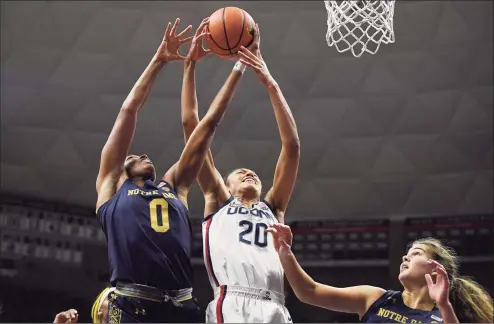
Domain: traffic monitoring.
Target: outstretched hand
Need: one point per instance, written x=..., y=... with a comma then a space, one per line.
x=197, y=50
x=68, y=316
x=439, y=290
x=282, y=238
x=168, y=50
x=252, y=57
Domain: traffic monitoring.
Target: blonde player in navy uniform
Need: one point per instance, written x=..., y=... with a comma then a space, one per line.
x=433, y=290
x=241, y=261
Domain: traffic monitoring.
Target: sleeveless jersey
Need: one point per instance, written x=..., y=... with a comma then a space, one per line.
x=390, y=308
x=238, y=250
x=149, y=236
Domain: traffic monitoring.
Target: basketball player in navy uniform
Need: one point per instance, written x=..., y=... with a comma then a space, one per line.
x=243, y=266
x=433, y=290
x=146, y=224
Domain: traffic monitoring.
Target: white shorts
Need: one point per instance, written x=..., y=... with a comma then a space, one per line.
x=234, y=304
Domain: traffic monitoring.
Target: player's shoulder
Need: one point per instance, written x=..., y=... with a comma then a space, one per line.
x=264, y=205
x=230, y=202
x=103, y=206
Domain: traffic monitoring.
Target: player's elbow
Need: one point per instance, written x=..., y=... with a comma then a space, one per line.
x=307, y=295
x=133, y=102
x=189, y=124
x=130, y=106
x=292, y=146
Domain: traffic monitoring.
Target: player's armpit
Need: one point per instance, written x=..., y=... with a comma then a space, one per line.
x=170, y=175
x=356, y=299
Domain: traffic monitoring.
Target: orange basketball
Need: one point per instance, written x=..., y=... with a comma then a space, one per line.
x=229, y=29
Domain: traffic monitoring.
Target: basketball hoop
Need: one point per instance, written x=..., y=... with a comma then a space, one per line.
x=360, y=26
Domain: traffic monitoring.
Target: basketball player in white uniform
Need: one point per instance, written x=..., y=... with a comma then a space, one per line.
x=243, y=266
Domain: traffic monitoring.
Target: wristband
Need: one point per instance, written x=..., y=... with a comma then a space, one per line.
x=239, y=66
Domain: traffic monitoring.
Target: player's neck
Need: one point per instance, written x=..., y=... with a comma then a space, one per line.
x=139, y=181
x=247, y=201
x=417, y=298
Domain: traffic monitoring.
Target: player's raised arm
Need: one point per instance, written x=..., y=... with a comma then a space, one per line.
x=189, y=106
x=356, y=299
x=118, y=143
x=199, y=142
x=287, y=167
x=208, y=178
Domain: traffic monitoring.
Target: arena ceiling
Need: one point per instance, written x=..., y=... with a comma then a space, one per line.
x=407, y=131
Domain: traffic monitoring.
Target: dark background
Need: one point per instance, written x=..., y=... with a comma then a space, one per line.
x=395, y=146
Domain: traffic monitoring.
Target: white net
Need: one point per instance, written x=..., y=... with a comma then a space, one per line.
x=360, y=26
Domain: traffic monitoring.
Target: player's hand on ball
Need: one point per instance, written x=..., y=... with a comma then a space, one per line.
x=282, y=237
x=252, y=57
x=197, y=50
x=168, y=50
x=68, y=316
x=438, y=290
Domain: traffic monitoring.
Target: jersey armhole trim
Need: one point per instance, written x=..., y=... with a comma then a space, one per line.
x=166, y=184
x=229, y=200
x=272, y=210
x=382, y=299
x=269, y=206
x=109, y=200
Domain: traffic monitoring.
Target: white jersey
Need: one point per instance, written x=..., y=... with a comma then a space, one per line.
x=237, y=249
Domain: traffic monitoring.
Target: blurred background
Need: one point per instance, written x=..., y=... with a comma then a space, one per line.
x=395, y=146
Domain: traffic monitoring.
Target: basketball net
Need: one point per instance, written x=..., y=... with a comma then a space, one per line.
x=360, y=26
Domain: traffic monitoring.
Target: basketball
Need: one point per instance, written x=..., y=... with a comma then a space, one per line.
x=230, y=28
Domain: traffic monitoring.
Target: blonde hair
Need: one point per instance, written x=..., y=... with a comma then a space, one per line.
x=471, y=302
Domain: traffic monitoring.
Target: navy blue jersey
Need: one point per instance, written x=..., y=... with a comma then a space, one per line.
x=390, y=308
x=149, y=236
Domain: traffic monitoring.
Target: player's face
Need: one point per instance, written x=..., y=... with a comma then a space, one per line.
x=140, y=167
x=244, y=179
x=414, y=265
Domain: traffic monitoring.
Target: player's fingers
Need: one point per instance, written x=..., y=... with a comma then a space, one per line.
x=203, y=24
x=272, y=230
x=247, y=52
x=437, y=265
x=174, y=28
x=434, y=262
x=246, y=63
x=279, y=227
x=207, y=51
x=246, y=58
x=180, y=57
x=167, y=31
x=73, y=313
x=200, y=36
x=257, y=35
x=428, y=279
x=185, y=40
x=284, y=244
x=441, y=272
x=186, y=30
